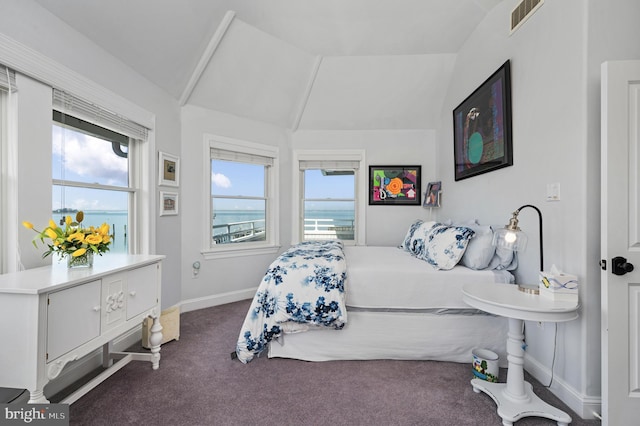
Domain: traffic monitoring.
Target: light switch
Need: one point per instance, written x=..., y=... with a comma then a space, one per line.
x=553, y=192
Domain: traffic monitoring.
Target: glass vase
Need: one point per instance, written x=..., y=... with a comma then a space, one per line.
x=83, y=261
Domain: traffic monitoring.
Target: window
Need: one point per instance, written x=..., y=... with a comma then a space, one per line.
x=329, y=185
x=93, y=170
x=243, y=207
x=329, y=205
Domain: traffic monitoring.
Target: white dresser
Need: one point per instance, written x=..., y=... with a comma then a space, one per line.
x=52, y=315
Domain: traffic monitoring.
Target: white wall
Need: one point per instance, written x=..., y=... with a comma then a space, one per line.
x=555, y=92
x=45, y=39
x=223, y=280
x=386, y=225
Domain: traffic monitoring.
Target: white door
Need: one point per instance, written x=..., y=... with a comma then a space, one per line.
x=620, y=246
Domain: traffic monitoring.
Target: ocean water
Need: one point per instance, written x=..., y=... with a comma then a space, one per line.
x=230, y=216
x=116, y=219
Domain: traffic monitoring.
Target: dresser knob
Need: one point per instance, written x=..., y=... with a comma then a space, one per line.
x=132, y=293
x=96, y=308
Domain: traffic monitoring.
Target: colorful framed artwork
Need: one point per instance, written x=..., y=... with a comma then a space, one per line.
x=168, y=203
x=432, y=195
x=482, y=127
x=394, y=185
x=169, y=168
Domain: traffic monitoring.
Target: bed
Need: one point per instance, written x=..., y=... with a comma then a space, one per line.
x=406, y=302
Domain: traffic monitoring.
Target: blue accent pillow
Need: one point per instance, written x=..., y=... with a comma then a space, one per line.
x=445, y=245
x=406, y=243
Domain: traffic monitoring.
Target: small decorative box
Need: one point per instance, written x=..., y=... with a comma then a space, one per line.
x=559, y=286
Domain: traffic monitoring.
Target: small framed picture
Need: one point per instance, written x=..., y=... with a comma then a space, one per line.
x=168, y=203
x=432, y=196
x=169, y=168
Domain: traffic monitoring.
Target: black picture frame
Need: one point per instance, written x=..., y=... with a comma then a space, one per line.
x=395, y=185
x=482, y=138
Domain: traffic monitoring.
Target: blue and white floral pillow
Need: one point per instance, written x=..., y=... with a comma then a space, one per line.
x=443, y=245
x=406, y=243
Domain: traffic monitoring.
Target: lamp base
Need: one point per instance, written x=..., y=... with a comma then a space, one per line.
x=529, y=288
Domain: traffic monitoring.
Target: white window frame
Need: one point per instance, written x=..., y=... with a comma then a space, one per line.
x=360, y=193
x=45, y=70
x=271, y=244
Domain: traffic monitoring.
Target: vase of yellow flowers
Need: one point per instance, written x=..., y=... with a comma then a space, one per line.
x=73, y=241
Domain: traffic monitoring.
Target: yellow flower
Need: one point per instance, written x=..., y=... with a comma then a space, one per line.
x=73, y=239
x=79, y=252
x=104, y=229
x=93, y=239
x=76, y=236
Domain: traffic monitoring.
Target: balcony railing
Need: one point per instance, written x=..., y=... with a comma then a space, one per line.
x=237, y=232
x=254, y=230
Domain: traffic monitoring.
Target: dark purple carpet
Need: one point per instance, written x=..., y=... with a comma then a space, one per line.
x=199, y=384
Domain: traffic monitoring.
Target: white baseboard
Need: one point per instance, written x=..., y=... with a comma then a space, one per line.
x=585, y=406
x=217, y=299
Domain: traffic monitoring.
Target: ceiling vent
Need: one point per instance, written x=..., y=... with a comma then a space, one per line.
x=523, y=11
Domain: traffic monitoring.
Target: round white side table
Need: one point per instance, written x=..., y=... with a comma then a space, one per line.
x=515, y=398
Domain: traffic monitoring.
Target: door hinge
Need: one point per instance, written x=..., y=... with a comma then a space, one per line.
x=603, y=264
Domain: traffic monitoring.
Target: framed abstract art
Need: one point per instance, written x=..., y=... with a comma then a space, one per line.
x=394, y=185
x=482, y=127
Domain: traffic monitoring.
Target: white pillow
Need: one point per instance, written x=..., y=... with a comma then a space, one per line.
x=444, y=245
x=479, y=251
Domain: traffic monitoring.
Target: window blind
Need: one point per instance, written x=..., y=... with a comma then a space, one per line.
x=72, y=105
x=329, y=164
x=7, y=79
x=242, y=157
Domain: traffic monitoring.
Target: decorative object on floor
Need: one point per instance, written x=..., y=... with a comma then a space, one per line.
x=432, y=196
x=74, y=242
x=485, y=365
x=394, y=185
x=482, y=127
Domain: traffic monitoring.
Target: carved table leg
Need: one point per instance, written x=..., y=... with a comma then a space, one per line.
x=155, y=339
x=37, y=397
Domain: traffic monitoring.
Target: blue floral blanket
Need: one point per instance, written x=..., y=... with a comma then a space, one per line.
x=303, y=286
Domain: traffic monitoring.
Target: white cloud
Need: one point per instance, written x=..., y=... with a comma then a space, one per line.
x=92, y=159
x=220, y=180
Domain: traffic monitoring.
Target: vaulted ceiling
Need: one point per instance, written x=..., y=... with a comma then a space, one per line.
x=307, y=64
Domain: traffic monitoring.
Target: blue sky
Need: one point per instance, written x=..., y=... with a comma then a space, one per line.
x=103, y=166
x=229, y=178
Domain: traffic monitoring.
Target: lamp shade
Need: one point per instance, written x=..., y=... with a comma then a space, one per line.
x=511, y=239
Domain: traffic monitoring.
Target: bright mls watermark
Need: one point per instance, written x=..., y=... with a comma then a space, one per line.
x=34, y=414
